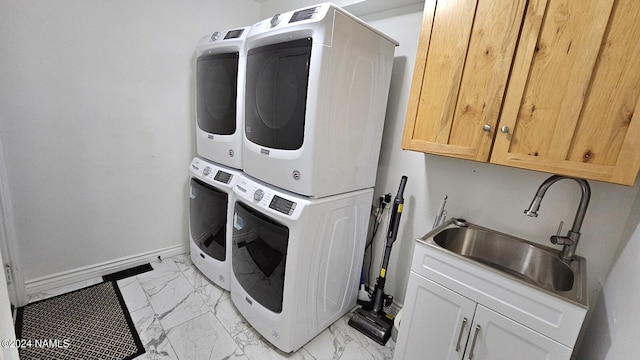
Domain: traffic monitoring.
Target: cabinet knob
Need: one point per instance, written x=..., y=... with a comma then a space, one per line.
x=486, y=127
x=504, y=129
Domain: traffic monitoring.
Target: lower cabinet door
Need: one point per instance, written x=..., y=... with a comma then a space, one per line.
x=435, y=322
x=495, y=337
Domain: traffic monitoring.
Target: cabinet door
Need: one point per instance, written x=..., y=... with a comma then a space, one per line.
x=572, y=106
x=462, y=66
x=435, y=322
x=495, y=337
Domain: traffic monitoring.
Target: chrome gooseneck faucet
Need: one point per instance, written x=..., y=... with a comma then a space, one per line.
x=570, y=241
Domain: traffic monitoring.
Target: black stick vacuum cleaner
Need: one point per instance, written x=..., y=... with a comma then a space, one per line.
x=371, y=319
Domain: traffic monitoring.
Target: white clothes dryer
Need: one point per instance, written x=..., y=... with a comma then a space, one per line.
x=211, y=201
x=296, y=260
x=317, y=84
x=220, y=73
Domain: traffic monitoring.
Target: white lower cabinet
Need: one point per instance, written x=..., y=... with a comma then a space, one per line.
x=499, y=338
x=440, y=324
x=435, y=323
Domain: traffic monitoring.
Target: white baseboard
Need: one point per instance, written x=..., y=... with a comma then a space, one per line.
x=108, y=267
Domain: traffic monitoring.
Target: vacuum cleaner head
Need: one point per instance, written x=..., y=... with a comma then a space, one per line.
x=375, y=326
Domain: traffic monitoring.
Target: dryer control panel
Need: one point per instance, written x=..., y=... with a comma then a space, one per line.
x=299, y=15
x=305, y=14
x=303, y=17
x=233, y=34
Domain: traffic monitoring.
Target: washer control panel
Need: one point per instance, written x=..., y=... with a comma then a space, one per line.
x=223, y=177
x=212, y=174
x=282, y=205
x=264, y=197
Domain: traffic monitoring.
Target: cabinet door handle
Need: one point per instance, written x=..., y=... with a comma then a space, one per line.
x=473, y=343
x=464, y=323
x=505, y=129
x=486, y=127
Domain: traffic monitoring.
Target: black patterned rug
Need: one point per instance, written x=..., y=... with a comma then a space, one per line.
x=90, y=323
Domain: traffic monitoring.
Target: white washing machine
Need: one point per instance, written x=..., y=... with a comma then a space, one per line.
x=211, y=200
x=316, y=92
x=296, y=261
x=220, y=73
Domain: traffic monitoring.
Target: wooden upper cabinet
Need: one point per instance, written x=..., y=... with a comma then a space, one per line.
x=548, y=85
x=464, y=57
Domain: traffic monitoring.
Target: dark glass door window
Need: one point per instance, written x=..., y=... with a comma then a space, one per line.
x=217, y=91
x=259, y=255
x=276, y=94
x=208, y=219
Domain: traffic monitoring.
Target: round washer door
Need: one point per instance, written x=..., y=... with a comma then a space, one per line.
x=259, y=255
x=208, y=219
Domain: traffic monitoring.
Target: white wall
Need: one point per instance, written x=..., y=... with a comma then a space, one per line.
x=96, y=119
x=614, y=328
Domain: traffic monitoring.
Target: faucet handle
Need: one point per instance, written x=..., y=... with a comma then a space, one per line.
x=558, y=239
x=559, y=228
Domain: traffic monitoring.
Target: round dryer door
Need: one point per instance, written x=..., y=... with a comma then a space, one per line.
x=276, y=94
x=216, y=93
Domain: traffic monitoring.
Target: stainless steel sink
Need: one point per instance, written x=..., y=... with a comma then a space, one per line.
x=534, y=264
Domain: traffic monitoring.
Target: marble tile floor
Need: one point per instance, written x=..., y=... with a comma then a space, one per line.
x=180, y=315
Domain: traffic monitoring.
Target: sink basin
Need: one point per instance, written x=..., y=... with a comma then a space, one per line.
x=534, y=264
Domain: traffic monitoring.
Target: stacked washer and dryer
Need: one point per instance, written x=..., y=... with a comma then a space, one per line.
x=316, y=83
x=220, y=70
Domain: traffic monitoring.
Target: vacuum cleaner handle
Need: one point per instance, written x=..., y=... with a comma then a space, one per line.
x=394, y=224
x=398, y=204
x=392, y=233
